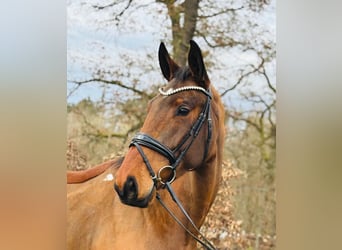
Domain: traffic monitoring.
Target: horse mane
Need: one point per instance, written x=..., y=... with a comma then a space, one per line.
x=74, y=177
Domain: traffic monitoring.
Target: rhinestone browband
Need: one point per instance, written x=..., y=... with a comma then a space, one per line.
x=174, y=91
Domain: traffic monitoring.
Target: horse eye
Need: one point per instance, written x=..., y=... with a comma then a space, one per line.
x=183, y=111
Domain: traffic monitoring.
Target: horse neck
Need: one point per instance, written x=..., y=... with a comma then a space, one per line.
x=204, y=187
x=205, y=180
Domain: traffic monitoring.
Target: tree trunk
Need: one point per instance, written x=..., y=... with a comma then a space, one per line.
x=190, y=19
x=181, y=35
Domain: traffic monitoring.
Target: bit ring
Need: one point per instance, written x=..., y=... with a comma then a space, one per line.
x=170, y=179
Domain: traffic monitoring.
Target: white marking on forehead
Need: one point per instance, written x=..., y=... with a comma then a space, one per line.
x=109, y=177
x=172, y=91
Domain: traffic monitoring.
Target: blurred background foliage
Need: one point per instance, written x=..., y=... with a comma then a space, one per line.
x=243, y=215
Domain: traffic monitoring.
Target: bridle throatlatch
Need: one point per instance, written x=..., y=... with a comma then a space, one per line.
x=142, y=139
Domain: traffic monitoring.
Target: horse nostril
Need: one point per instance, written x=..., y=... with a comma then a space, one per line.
x=131, y=188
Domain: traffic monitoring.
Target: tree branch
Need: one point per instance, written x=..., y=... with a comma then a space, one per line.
x=123, y=11
x=112, y=82
x=117, y=17
x=73, y=90
x=221, y=12
x=238, y=117
x=263, y=72
x=230, y=43
x=100, y=134
x=99, y=7
x=79, y=112
x=255, y=69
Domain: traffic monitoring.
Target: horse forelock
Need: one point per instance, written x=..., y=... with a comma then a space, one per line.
x=183, y=74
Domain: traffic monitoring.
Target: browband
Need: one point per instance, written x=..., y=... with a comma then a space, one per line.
x=174, y=91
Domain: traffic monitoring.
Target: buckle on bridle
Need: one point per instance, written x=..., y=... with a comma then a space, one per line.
x=171, y=175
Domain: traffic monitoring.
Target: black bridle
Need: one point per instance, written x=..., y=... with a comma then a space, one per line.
x=142, y=139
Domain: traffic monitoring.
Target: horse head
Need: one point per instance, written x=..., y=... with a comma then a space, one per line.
x=176, y=136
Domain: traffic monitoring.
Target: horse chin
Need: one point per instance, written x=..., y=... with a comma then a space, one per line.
x=142, y=202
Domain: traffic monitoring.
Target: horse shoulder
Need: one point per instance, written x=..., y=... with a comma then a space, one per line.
x=89, y=214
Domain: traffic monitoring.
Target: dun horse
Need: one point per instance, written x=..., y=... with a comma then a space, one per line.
x=164, y=187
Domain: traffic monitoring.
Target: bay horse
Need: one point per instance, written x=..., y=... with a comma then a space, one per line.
x=168, y=179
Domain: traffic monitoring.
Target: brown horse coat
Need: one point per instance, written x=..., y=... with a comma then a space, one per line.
x=97, y=219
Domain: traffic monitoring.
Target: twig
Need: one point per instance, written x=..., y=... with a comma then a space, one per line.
x=221, y=12
x=255, y=69
x=112, y=82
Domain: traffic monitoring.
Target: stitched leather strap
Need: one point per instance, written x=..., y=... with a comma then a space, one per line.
x=148, y=141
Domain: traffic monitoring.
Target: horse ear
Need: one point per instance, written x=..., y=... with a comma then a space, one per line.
x=196, y=65
x=167, y=65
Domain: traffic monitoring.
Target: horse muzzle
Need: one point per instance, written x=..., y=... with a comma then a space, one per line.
x=129, y=193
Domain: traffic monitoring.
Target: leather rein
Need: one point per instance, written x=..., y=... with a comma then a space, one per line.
x=142, y=139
